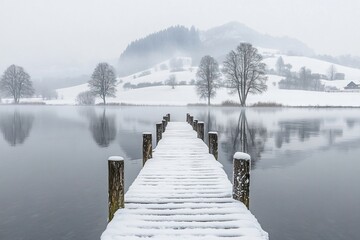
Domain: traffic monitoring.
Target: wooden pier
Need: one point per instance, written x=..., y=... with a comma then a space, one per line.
x=182, y=192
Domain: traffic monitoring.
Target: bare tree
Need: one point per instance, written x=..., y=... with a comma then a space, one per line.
x=331, y=72
x=16, y=82
x=171, y=81
x=207, y=78
x=305, y=78
x=103, y=81
x=280, y=66
x=245, y=72
x=85, y=98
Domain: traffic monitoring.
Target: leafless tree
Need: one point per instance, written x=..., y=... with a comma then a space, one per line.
x=171, y=81
x=305, y=78
x=280, y=66
x=103, y=81
x=207, y=78
x=331, y=72
x=85, y=98
x=245, y=72
x=16, y=82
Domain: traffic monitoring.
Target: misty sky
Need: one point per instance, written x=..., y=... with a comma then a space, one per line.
x=68, y=37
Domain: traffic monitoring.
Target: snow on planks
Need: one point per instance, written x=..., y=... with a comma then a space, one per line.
x=182, y=193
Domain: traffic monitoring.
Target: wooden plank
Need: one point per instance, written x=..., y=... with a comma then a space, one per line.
x=182, y=193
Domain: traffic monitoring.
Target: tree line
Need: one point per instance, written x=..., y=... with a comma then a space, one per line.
x=243, y=70
x=304, y=78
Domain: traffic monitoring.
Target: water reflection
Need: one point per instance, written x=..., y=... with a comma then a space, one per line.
x=210, y=121
x=101, y=126
x=243, y=136
x=304, y=128
x=16, y=126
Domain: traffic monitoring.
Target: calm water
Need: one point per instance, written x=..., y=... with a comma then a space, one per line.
x=53, y=166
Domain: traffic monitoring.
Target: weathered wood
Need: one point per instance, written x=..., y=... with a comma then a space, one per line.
x=241, y=178
x=116, y=185
x=191, y=120
x=164, y=125
x=147, y=146
x=213, y=144
x=187, y=117
x=159, y=131
x=195, y=124
x=200, y=130
x=168, y=117
x=182, y=193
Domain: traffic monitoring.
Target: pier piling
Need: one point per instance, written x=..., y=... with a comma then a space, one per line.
x=241, y=178
x=147, y=146
x=116, y=184
x=159, y=131
x=213, y=144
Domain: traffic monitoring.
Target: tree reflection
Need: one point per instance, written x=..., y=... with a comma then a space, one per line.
x=304, y=128
x=16, y=127
x=244, y=137
x=102, y=127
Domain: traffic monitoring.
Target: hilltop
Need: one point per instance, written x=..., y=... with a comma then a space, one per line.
x=180, y=41
x=159, y=94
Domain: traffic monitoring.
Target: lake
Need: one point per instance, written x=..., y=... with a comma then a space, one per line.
x=53, y=166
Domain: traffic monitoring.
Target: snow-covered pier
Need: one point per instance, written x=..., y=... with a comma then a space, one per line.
x=182, y=192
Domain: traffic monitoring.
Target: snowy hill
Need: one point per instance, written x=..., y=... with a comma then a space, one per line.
x=218, y=41
x=317, y=66
x=186, y=94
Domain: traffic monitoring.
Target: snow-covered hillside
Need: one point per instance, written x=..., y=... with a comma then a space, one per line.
x=186, y=94
x=316, y=66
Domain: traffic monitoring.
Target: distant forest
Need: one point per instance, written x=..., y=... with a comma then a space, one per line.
x=144, y=53
x=345, y=60
x=157, y=47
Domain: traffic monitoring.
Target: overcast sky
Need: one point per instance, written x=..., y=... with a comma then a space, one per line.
x=68, y=37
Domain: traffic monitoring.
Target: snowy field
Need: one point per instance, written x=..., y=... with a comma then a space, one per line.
x=186, y=94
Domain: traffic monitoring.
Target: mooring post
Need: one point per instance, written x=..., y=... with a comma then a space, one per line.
x=116, y=184
x=241, y=178
x=195, y=124
x=147, y=146
x=213, y=144
x=168, y=117
x=191, y=120
x=164, y=125
x=166, y=120
x=187, y=117
x=159, y=131
x=200, y=130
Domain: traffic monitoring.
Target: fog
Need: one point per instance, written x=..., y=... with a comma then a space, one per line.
x=66, y=38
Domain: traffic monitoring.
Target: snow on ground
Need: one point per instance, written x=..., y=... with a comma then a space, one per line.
x=316, y=65
x=170, y=200
x=183, y=95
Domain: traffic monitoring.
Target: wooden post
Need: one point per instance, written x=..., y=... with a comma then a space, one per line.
x=159, y=131
x=163, y=125
x=191, y=120
x=195, y=124
x=200, y=130
x=147, y=147
x=241, y=178
x=168, y=117
x=116, y=184
x=213, y=144
x=166, y=120
x=187, y=117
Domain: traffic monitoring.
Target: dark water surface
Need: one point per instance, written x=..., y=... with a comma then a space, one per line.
x=53, y=166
